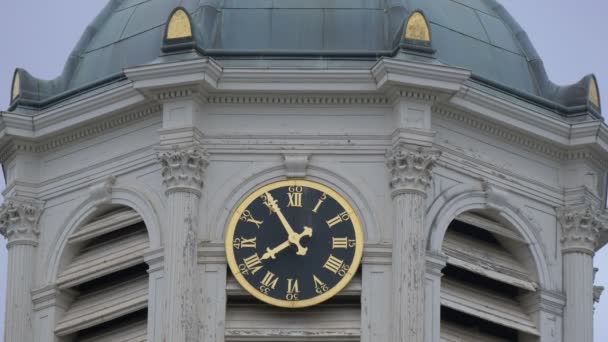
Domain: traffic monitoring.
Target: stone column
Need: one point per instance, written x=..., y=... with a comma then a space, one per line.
x=411, y=173
x=19, y=224
x=182, y=170
x=581, y=228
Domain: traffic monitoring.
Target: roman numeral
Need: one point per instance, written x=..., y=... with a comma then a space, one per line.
x=343, y=216
x=295, y=199
x=270, y=280
x=247, y=217
x=321, y=200
x=293, y=286
x=248, y=243
x=339, y=243
x=253, y=263
x=320, y=286
x=333, y=264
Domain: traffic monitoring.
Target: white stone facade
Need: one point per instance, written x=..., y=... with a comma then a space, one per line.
x=410, y=145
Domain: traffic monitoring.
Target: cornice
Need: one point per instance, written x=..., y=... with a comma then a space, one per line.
x=203, y=71
x=86, y=132
x=584, y=135
x=71, y=114
x=389, y=72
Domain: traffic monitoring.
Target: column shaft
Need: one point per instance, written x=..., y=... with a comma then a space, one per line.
x=409, y=266
x=19, y=307
x=578, y=285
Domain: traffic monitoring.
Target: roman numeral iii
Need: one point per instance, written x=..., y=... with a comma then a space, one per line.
x=333, y=264
x=253, y=263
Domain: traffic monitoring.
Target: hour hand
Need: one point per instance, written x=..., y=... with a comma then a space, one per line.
x=271, y=253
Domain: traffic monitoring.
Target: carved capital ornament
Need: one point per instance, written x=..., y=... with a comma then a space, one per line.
x=581, y=228
x=183, y=168
x=19, y=221
x=411, y=168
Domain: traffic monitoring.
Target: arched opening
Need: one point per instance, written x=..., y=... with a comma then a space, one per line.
x=179, y=25
x=488, y=275
x=104, y=272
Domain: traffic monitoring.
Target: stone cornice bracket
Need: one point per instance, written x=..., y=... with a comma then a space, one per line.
x=411, y=168
x=295, y=165
x=19, y=221
x=581, y=228
x=183, y=168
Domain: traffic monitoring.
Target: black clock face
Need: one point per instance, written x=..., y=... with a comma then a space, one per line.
x=294, y=243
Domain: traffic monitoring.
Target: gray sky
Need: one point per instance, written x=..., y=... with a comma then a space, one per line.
x=570, y=36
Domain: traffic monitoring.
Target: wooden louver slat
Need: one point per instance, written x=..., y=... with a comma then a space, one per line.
x=105, y=305
x=105, y=258
x=132, y=333
x=487, y=260
x=106, y=224
x=487, y=306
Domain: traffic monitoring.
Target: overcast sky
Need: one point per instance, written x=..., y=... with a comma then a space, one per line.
x=570, y=36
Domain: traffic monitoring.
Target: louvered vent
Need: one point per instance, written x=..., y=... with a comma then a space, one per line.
x=109, y=279
x=483, y=281
x=338, y=319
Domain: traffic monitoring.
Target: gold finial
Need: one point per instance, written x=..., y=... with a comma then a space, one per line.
x=179, y=25
x=594, y=93
x=417, y=28
x=16, y=89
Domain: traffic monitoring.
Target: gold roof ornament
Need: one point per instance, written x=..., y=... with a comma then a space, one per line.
x=16, y=88
x=179, y=25
x=594, y=93
x=417, y=28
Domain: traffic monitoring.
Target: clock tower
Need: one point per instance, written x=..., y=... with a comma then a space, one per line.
x=255, y=170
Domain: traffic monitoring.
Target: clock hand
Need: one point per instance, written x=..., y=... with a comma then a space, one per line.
x=271, y=253
x=293, y=237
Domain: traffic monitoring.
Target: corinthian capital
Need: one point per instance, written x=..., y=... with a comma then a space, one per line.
x=581, y=228
x=183, y=168
x=411, y=168
x=19, y=221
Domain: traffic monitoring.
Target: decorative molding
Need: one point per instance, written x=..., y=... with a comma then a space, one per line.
x=52, y=297
x=175, y=93
x=544, y=300
x=101, y=193
x=378, y=254
x=413, y=94
x=295, y=165
x=581, y=228
x=183, y=168
x=76, y=135
x=19, y=221
x=212, y=253
x=521, y=139
x=435, y=262
x=411, y=168
x=330, y=100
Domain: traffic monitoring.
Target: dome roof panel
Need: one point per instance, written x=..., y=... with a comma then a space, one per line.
x=475, y=34
x=111, y=30
x=500, y=35
x=147, y=16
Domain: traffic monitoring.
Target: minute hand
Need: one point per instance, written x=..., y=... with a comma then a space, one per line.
x=293, y=238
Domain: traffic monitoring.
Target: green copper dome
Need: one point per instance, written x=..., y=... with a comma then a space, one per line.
x=474, y=34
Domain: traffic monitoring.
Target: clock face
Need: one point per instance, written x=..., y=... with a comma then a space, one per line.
x=294, y=244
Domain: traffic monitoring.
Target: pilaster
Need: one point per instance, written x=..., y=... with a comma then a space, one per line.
x=19, y=225
x=581, y=229
x=375, y=293
x=410, y=176
x=157, y=296
x=434, y=264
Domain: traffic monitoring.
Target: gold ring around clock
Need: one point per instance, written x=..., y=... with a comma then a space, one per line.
x=340, y=285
